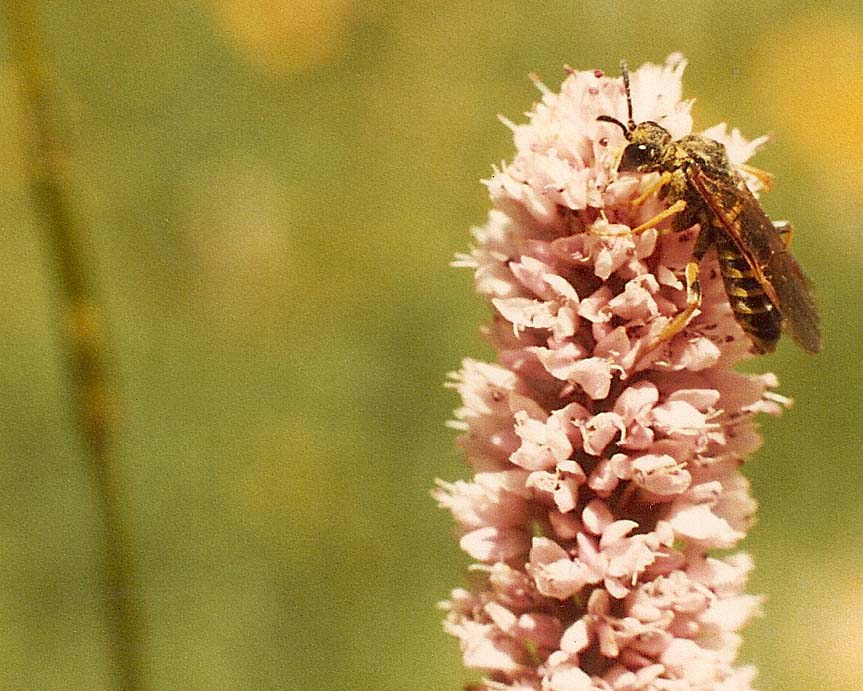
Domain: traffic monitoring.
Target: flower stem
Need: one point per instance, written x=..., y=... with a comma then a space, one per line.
x=82, y=334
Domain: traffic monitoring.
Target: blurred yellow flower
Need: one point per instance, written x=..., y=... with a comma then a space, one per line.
x=809, y=75
x=285, y=36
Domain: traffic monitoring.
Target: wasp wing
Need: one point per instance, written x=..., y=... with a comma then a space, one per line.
x=741, y=217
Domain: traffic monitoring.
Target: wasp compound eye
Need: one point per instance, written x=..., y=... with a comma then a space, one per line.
x=638, y=158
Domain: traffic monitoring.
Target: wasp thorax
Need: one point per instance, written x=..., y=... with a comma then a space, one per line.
x=648, y=145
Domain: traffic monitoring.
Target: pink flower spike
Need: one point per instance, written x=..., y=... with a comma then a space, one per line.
x=605, y=458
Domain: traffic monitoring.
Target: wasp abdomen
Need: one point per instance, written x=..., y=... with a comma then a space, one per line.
x=754, y=311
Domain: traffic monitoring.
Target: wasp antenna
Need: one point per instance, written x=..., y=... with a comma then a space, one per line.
x=625, y=70
x=614, y=121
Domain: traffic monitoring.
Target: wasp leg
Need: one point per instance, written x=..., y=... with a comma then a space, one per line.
x=693, y=301
x=675, y=208
x=641, y=198
x=693, y=293
x=786, y=232
x=765, y=178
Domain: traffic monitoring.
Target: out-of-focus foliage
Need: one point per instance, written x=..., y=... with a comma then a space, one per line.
x=273, y=192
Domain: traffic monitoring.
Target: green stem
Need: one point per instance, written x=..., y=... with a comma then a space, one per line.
x=82, y=334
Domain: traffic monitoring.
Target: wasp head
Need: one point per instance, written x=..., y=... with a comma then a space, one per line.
x=649, y=142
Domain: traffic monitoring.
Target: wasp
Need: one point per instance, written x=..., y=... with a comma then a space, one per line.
x=767, y=290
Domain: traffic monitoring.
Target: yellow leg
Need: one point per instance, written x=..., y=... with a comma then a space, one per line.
x=785, y=231
x=693, y=300
x=641, y=198
x=765, y=178
x=693, y=292
x=593, y=231
x=675, y=208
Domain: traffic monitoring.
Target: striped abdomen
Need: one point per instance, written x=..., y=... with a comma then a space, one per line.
x=753, y=310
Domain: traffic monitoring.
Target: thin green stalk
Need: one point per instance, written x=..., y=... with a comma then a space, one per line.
x=83, y=334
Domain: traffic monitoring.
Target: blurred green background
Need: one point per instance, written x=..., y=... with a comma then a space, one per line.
x=273, y=191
